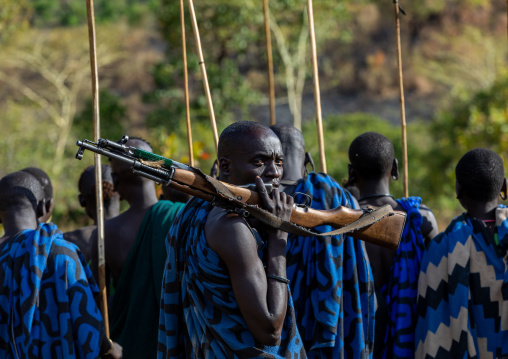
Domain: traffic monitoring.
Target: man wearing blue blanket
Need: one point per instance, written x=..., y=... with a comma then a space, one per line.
x=372, y=166
x=225, y=292
x=331, y=279
x=47, y=307
x=462, y=291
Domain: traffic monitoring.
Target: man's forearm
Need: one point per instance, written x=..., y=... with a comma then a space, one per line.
x=276, y=271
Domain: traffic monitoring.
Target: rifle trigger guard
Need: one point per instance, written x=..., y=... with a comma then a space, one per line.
x=308, y=200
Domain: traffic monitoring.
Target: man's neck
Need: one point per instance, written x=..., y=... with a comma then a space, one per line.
x=15, y=222
x=294, y=170
x=370, y=188
x=482, y=210
x=142, y=196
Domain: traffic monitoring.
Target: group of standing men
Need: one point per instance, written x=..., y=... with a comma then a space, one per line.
x=228, y=286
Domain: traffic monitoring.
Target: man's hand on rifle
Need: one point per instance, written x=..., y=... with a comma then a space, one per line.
x=277, y=203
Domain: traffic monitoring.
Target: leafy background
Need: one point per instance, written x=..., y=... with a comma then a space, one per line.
x=455, y=77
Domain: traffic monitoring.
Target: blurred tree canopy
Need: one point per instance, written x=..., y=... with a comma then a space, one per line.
x=454, y=57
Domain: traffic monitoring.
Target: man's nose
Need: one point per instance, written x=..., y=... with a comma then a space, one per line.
x=273, y=171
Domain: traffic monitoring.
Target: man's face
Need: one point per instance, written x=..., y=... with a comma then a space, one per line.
x=257, y=155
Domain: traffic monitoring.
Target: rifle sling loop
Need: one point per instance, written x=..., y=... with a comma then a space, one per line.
x=225, y=199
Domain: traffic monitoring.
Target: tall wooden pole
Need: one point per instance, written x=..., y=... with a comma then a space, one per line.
x=402, y=102
x=317, y=94
x=203, y=74
x=98, y=165
x=186, y=84
x=270, y=61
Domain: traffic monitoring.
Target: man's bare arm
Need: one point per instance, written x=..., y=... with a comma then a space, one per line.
x=429, y=224
x=262, y=300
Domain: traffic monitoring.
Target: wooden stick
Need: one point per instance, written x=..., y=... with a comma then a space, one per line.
x=270, y=61
x=317, y=94
x=203, y=73
x=98, y=165
x=186, y=84
x=402, y=102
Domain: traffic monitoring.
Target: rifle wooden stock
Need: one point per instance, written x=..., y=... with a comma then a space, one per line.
x=386, y=232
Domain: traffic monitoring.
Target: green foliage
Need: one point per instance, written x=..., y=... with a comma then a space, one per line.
x=340, y=131
x=14, y=16
x=480, y=121
x=112, y=115
x=30, y=143
x=73, y=12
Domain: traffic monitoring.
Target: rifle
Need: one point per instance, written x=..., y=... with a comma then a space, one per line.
x=382, y=226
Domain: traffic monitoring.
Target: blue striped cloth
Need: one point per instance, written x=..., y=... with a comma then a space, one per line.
x=463, y=292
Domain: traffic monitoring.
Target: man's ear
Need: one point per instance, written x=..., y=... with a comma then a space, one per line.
x=50, y=205
x=395, y=169
x=225, y=166
x=40, y=211
x=82, y=200
x=503, y=193
x=214, y=172
x=309, y=160
x=458, y=189
x=351, y=173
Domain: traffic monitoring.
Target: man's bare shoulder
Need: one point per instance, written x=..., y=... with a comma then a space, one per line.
x=429, y=226
x=228, y=233
x=80, y=235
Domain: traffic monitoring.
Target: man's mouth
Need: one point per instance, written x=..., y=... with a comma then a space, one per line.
x=275, y=183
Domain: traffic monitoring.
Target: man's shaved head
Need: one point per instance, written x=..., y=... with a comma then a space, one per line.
x=123, y=171
x=140, y=143
x=480, y=172
x=234, y=134
x=372, y=155
x=20, y=190
x=86, y=183
x=291, y=139
x=43, y=179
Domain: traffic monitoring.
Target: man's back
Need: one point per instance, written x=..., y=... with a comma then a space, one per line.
x=462, y=300
x=50, y=291
x=121, y=232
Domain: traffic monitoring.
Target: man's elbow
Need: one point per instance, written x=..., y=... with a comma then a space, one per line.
x=268, y=337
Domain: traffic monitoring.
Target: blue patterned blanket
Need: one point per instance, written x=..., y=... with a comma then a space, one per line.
x=47, y=307
x=463, y=292
x=199, y=316
x=331, y=282
x=401, y=291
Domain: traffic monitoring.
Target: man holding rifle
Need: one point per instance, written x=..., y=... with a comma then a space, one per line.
x=225, y=292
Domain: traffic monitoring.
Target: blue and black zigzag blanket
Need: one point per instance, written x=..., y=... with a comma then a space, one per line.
x=331, y=282
x=463, y=292
x=200, y=317
x=47, y=307
x=402, y=288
